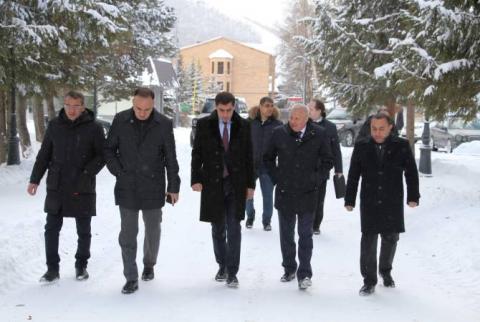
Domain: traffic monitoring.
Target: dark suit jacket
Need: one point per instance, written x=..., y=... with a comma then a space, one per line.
x=331, y=131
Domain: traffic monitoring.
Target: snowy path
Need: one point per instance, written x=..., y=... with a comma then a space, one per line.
x=437, y=267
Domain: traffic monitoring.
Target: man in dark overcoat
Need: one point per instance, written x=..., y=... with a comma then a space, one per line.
x=298, y=158
x=72, y=151
x=318, y=115
x=381, y=162
x=263, y=119
x=139, y=148
x=222, y=170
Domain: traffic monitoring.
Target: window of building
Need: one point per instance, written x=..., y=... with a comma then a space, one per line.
x=213, y=67
x=220, y=86
x=228, y=84
x=228, y=68
x=220, y=67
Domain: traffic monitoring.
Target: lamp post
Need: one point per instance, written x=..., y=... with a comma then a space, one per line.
x=425, y=166
x=13, y=157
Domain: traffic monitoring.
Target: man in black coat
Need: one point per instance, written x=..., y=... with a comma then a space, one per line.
x=264, y=118
x=222, y=170
x=381, y=161
x=317, y=114
x=72, y=151
x=298, y=158
x=139, y=147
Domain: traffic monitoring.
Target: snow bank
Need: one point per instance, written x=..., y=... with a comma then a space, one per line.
x=468, y=148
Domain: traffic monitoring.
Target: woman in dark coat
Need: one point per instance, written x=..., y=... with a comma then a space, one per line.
x=72, y=151
x=381, y=161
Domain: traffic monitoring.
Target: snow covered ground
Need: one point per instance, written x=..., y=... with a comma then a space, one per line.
x=437, y=267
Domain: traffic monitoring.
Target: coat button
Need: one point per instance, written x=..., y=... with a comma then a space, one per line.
x=217, y=166
x=379, y=202
x=380, y=173
x=217, y=180
x=379, y=187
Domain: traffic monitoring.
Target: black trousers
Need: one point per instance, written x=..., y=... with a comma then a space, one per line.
x=287, y=221
x=368, y=255
x=52, y=231
x=227, y=234
x=319, y=208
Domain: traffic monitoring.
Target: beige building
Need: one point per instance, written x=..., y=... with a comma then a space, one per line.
x=236, y=67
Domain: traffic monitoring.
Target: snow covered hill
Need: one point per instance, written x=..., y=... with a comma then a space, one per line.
x=437, y=267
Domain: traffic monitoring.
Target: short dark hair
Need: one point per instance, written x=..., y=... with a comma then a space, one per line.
x=382, y=115
x=224, y=98
x=319, y=106
x=144, y=92
x=266, y=99
x=76, y=95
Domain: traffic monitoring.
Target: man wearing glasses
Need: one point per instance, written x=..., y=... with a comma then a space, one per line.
x=72, y=151
x=140, y=146
x=264, y=118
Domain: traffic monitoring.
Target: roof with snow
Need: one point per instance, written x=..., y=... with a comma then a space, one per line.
x=257, y=47
x=221, y=53
x=163, y=75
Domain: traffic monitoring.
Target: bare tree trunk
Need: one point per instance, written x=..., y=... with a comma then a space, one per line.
x=38, y=118
x=411, y=125
x=25, y=142
x=3, y=127
x=50, y=106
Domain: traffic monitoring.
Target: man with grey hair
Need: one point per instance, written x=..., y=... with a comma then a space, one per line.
x=298, y=158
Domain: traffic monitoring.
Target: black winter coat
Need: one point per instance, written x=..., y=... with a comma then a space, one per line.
x=331, y=131
x=208, y=155
x=73, y=154
x=139, y=163
x=261, y=135
x=298, y=166
x=381, y=193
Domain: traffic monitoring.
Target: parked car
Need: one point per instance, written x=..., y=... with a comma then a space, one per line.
x=209, y=107
x=348, y=125
x=454, y=131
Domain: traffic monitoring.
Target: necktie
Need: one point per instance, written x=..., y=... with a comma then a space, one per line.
x=225, y=146
x=225, y=136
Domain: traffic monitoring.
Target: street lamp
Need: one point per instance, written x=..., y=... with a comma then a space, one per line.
x=13, y=157
x=425, y=166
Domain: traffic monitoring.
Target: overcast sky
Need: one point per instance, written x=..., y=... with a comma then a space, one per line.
x=264, y=11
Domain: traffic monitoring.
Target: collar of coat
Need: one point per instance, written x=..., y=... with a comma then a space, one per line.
x=234, y=126
x=310, y=131
x=85, y=117
x=129, y=117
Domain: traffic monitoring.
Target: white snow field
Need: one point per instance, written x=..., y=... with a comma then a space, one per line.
x=436, y=269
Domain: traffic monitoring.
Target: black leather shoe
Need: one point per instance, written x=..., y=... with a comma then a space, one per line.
x=388, y=280
x=81, y=273
x=130, y=287
x=267, y=227
x=287, y=277
x=232, y=281
x=221, y=275
x=50, y=276
x=249, y=223
x=316, y=231
x=148, y=274
x=367, y=290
